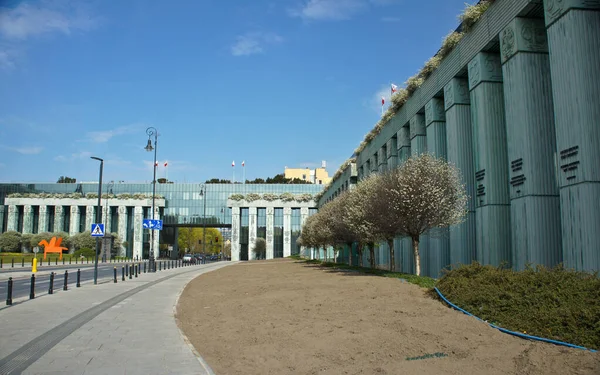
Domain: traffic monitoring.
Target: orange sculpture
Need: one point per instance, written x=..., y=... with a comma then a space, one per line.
x=53, y=246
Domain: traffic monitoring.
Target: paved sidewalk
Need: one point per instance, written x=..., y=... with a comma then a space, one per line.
x=128, y=328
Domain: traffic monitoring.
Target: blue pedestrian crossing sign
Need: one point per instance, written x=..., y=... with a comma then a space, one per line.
x=98, y=230
x=152, y=224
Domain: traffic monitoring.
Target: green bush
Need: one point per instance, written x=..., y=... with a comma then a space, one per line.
x=10, y=241
x=88, y=253
x=556, y=303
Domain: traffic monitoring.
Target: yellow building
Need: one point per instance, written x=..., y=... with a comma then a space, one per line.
x=316, y=176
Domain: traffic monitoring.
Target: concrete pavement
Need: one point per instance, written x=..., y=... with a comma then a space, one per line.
x=127, y=328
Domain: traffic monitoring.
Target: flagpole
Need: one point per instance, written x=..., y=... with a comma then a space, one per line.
x=244, y=173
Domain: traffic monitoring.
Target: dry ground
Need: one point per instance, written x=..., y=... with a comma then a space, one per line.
x=287, y=317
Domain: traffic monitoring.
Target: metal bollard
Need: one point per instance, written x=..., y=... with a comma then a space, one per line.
x=122, y=273
x=51, y=285
x=48, y=260
x=9, y=292
x=56, y=261
x=22, y=262
x=115, y=274
x=144, y=267
x=130, y=271
x=136, y=269
x=12, y=263
x=1, y=261
x=159, y=266
x=75, y=260
x=78, y=278
x=126, y=270
x=32, y=287
x=63, y=261
x=66, y=280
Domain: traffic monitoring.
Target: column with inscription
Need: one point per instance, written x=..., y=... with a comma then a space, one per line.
x=235, y=234
x=459, y=138
x=270, y=222
x=435, y=121
x=27, y=219
x=90, y=217
x=287, y=231
x=138, y=232
x=13, y=218
x=43, y=219
x=74, y=221
x=303, y=217
x=573, y=29
x=122, y=230
x=59, y=218
x=251, y=232
x=534, y=198
x=491, y=160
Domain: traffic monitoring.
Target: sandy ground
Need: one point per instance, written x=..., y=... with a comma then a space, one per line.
x=286, y=317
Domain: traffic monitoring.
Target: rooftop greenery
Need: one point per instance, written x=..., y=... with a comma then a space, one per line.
x=285, y=197
x=81, y=196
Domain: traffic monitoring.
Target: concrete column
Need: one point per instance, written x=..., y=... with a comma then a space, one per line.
x=90, y=217
x=534, y=198
x=251, y=232
x=435, y=121
x=235, y=234
x=491, y=160
x=303, y=217
x=74, y=221
x=13, y=218
x=105, y=219
x=287, y=232
x=138, y=231
x=391, y=149
x=404, y=244
x=122, y=230
x=27, y=219
x=59, y=218
x=270, y=222
x=156, y=244
x=459, y=138
x=418, y=146
x=374, y=164
x=573, y=29
x=382, y=159
x=43, y=219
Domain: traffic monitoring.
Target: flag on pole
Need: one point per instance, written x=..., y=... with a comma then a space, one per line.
x=156, y=164
x=233, y=163
x=394, y=88
x=382, y=101
x=166, y=163
x=243, y=163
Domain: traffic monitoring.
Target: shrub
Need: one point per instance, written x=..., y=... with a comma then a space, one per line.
x=287, y=197
x=270, y=197
x=556, y=303
x=10, y=241
x=252, y=197
x=86, y=252
x=236, y=197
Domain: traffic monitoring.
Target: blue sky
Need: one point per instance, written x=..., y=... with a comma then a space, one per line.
x=273, y=83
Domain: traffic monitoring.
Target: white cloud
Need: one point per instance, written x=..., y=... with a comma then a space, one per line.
x=335, y=10
x=374, y=102
x=8, y=58
x=254, y=42
x=47, y=17
x=103, y=136
x=33, y=150
x=75, y=156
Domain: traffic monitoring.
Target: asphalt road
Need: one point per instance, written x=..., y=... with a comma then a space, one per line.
x=22, y=285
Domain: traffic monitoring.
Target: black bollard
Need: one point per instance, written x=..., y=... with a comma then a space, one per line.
x=32, y=287
x=22, y=262
x=78, y=278
x=130, y=271
x=63, y=261
x=144, y=267
x=160, y=266
x=51, y=285
x=48, y=260
x=75, y=260
x=126, y=270
x=115, y=274
x=12, y=263
x=70, y=259
x=56, y=261
x=135, y=266
x=9, y=292
x=66, y=280
x=122, y=273
x=1, y=261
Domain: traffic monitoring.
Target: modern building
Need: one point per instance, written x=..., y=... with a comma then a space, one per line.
x=515, y=106
x=57, y=207
x=317, y=176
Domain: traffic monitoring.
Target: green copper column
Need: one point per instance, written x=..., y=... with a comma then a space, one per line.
x=491, y=161
x=405, y=243
x=391, y=148
x=573, y=28
x=418, y=146
x=534, y=199
x=435, y=121
x=457, y=102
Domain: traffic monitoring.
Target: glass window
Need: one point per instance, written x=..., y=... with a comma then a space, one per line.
x=278, y=233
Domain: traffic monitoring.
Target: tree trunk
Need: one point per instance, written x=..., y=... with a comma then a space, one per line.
x=415, y=242
x=392, y=255
x=360, y=254
x=372, y=254
x=349, y=253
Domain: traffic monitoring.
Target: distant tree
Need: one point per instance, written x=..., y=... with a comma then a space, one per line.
x=191, y=239
x=10, y=241
x=217, y=181
x=66, y=180
x=161, y=180
x=260, y=248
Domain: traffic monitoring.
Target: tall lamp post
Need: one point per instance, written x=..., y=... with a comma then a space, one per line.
x=203, y=195
x=151, y=131
x=98, y=217
x=222, y=236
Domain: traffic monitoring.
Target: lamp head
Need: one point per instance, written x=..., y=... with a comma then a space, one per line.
x=149, y=146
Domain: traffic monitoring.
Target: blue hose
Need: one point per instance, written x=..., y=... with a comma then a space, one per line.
x=518, y=334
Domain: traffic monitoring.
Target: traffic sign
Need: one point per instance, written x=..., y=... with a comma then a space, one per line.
x=98, y=230
x=152, y=224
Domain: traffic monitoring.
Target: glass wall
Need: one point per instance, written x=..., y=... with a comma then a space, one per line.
x=278, y=233
x=296, y=227
x=261, y=223
x=244, y=233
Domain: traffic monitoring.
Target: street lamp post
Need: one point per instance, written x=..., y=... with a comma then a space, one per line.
x=203, y=195
x=98, y=217
x=151, y=131
x=222, y=236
